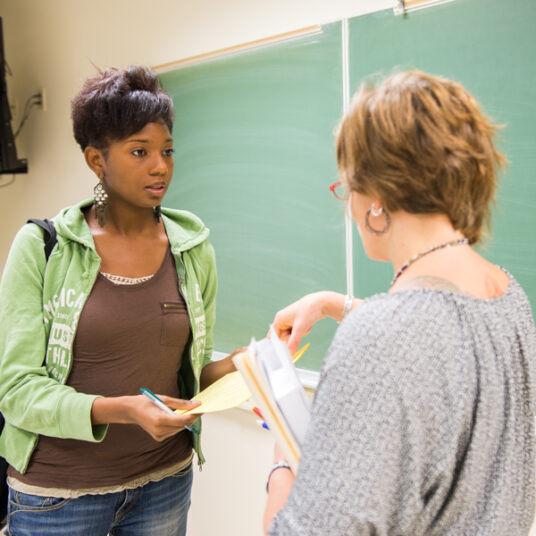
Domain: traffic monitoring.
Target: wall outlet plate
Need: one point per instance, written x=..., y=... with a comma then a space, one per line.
x=42, y=102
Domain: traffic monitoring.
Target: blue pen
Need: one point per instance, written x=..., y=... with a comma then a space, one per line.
x=157, y=402
x=263, y=424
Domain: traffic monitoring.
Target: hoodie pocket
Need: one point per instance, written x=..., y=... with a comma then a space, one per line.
x=175, y=327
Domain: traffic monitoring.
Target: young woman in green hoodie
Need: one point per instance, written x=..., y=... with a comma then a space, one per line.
x=125, y=301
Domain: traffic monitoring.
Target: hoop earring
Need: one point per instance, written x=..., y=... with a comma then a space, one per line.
x=157, y=213
x=377, y=212
x=101, y=203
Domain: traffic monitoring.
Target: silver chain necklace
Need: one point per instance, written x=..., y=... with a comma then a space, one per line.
x=450, y=243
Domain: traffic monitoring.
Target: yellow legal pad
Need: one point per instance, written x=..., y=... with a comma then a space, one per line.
x=228, y=392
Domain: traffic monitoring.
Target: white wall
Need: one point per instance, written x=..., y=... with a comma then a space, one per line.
x=54, y=44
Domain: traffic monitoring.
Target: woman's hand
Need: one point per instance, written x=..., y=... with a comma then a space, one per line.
x=140, y=410
x=296, y=320
x=159, y=424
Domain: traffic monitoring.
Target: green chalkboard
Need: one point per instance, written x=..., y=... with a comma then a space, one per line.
x=255, y=152
x=489, y=46
x=254, y=156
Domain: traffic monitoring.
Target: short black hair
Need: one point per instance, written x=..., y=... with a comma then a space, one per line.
x=117, y=103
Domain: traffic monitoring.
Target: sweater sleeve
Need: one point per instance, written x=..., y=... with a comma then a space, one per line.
x=361, y=463
x=29, y=399
x=205, y=260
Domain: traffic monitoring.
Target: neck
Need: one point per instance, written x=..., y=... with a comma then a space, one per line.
x=413, y=234
x=130, y=221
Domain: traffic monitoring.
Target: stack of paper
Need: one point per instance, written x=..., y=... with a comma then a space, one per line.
x=268, y=371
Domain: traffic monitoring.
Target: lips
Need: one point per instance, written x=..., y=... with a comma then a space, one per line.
x=156, y=187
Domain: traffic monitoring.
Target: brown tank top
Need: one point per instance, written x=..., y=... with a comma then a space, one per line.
x=129, y=336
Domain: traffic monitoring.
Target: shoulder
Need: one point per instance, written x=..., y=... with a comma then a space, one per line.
x=28, y=240
x=431, y=283
x=390, y=315
x=184, y=219
x=29, y=232
x=198, y=254
x=26, y=261
x=203, y=254
x=517, y=295
x=184, y=229
x=400, y=333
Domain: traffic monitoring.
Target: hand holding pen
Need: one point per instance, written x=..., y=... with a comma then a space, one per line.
x=164, y=422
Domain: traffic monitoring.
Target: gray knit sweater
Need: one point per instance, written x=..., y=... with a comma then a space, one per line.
x=423, y=421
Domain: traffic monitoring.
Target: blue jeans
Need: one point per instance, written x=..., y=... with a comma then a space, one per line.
x=156, y=509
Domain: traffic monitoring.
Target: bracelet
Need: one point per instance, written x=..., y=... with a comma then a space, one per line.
x=348, y=302
x=282, y=464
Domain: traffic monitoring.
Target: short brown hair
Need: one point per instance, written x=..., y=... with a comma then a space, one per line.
x=116, y=103
x=422, y=144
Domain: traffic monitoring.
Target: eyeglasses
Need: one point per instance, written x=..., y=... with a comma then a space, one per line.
x=339, y=191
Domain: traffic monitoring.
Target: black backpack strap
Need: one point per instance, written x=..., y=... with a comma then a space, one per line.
x=49, y=232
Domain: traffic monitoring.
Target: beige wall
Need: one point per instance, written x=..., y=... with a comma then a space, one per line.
x=54, y=44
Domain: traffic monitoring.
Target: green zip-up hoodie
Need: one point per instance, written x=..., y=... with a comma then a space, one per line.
x=40, y=305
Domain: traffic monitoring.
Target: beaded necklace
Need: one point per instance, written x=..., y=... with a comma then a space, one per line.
x=457, y=242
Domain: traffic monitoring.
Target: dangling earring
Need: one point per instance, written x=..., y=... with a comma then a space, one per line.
x=101, y=203
x=157, y=213
x=377, y=212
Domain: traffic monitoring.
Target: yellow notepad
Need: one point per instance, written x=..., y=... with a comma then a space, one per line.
x=227, y=392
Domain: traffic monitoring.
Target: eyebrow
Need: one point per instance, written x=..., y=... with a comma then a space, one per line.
x=145, y=141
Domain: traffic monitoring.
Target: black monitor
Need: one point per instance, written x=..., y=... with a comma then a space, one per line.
x=9, y=163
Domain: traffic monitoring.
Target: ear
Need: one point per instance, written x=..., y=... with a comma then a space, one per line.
x=376, y=205
x=376, y=201
x=95, y=160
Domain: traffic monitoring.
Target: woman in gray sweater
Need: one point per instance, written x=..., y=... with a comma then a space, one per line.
x=423, y=421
